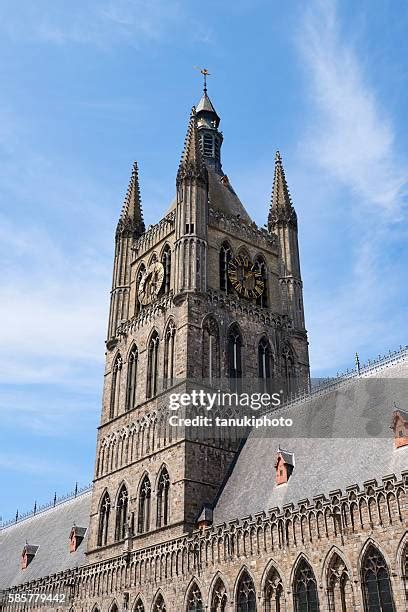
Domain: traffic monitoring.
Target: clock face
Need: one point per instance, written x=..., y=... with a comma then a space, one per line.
x=151, y=283
x=245, y=278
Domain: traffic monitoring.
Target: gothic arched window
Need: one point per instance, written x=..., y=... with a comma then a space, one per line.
x=219, y=597
x=145, y=494
x=121, y=513
x=139, y=276
x=376, y=582
x=139, y=607
x=115, y=386
x=169, y=354
x=194, y=600
x=273, y=592
x=103, y=527
x=211, y=350
x=246, y=596
x=265, y=362
x=166, y=261
x=339, y=586
x=225, y=258
x=131, y=379
x=114, y=608
x=163, y=487
x=305, y=589
x=152, y=365
x=234, y=352
x=159, y=605
x=260, y=266
x=405, y=569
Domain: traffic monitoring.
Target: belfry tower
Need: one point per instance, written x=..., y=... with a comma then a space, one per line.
x=204, y=294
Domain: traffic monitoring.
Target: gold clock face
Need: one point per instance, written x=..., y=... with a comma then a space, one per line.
x=245, y=278
x=151, y=283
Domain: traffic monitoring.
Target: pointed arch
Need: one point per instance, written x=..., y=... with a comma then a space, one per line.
x=219, y=596
x=139, y=275
x=115, y=386
x=153, y=259
x=159, y=604
x=114, y=607
x=211, y=349
x=245, y=594
x=243, y=252
x=163, y=506
x=121, y=512
x=131, y=381
x=103, y=525
x=260, y=266
x=152, y=364
x=169, y=353
x=337, y=577
x=194, y=599
x=273, y=590
x=138, y=606
x=166, y=261
x=402, y=562
x=224, y=259
x=265, y=363
x=375, y=581
x=145, y=493
x=234, y=352
x=288, y=370
x=305, y=597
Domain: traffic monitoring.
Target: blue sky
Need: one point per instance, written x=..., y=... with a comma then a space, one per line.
x=88, y=89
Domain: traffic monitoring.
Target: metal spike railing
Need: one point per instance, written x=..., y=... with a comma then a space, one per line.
x=56, y=501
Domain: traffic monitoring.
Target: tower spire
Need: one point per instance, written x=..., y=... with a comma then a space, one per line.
x=281, y=208
x=191, y=163
x=131, y=216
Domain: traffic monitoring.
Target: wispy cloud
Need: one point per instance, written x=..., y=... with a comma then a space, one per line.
x=105, y=23
x=351, y=139
x=55, y=272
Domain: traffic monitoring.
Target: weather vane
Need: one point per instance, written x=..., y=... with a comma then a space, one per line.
x=205, y=74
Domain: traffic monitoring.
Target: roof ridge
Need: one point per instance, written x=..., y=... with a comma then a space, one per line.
x=44, y=509
x=329, y=384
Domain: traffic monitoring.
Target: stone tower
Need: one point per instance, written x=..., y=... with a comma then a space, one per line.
x=203, y=295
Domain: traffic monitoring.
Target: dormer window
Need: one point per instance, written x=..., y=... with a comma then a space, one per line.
x=75, y=537
x=399, y=425
x=28, y=554
x=206, y=517
x=284, y=464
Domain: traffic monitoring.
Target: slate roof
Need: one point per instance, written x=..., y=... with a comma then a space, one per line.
x=337, y=439
x=288, y=458
x=205, y=105
x=222, y=197
x=49, y=530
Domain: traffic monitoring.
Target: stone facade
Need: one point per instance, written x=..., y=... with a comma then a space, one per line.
x=151, y=544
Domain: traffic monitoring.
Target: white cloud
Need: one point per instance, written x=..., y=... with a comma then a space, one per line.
x=351, y=139
x=102, y=23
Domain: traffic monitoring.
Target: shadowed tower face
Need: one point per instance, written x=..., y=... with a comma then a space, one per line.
x=204, y=294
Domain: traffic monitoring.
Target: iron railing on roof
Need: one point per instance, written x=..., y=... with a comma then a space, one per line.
x=56, y=501
x=322, y=385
